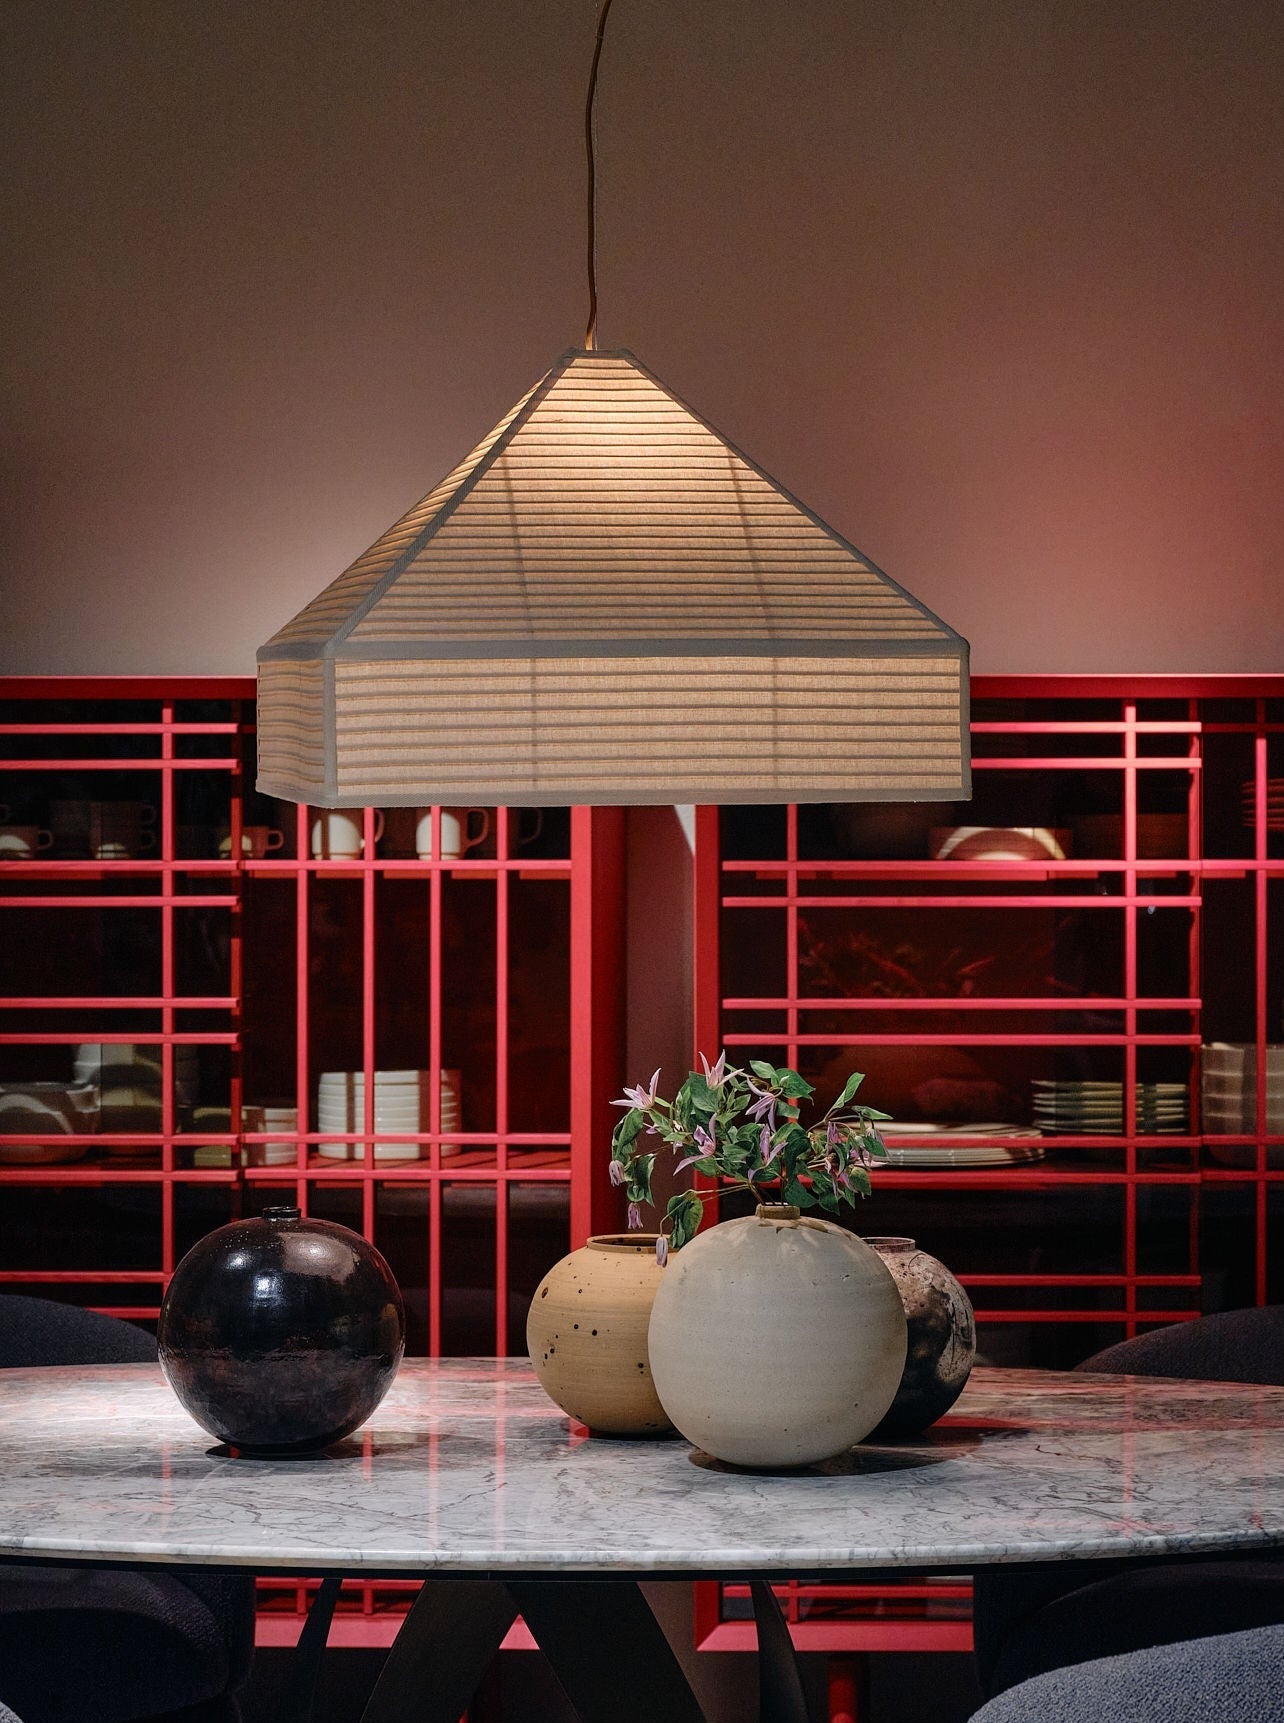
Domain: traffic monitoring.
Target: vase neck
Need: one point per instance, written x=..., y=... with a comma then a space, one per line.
x=784, y=1213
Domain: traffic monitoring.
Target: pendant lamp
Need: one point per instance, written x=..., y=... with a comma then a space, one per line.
x=607, y=602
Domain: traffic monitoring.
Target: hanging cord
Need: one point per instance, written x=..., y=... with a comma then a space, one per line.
x=590, y=145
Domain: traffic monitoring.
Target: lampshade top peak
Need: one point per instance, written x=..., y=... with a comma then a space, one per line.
x=602, y=508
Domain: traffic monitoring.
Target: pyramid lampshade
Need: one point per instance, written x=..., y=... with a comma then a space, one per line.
x=605, y=602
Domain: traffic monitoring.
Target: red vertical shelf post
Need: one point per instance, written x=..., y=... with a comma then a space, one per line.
x=597, y=1012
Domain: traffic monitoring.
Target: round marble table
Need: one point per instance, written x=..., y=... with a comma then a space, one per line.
x=469, y=1476
x=467, y=1468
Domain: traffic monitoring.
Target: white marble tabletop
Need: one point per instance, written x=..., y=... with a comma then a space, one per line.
x=467, y=1468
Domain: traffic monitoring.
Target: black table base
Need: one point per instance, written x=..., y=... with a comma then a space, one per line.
x=600, y=1637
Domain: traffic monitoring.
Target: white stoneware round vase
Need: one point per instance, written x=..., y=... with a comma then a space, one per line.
x=776, y=1340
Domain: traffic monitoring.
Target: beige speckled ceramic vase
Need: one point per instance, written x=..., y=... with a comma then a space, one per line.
x=776, y=1340
x=587, y=1335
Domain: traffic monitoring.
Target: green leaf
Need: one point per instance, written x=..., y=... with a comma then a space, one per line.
x=637, y=1183
x=793, y=1086
x=629, y=1128
x=849, y=1089
x=797, y=1193
x=700, y=1096
x=684, y=1214
x=761, y=1068
x=828, y=1200
x=873, y=1113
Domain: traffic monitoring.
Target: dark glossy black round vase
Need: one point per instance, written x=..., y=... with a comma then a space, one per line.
x=281, y=1335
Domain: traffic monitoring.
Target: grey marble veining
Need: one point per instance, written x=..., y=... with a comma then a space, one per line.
x=467, y=1467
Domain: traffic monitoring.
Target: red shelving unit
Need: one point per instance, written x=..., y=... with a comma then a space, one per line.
x=241, y=978
x=829, y=939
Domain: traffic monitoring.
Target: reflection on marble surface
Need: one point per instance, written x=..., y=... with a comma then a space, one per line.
x=467, y=1466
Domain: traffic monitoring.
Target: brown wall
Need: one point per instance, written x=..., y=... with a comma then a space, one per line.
x=993, y=286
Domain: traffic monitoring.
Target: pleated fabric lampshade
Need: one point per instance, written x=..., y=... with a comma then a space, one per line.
x=605, y=602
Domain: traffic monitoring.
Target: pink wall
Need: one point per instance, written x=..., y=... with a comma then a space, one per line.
x=994, y=287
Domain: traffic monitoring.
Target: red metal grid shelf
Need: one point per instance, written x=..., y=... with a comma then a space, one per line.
x=1116, y=965
x=504, y=964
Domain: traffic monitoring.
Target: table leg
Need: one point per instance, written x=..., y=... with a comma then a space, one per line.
x=305, y=1664
x=607, y=1651
x=780, y=1688
x=447, y=1641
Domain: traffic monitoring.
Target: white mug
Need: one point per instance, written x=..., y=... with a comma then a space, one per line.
x=19, y=843
x=337, y=834
x=462, y=829
x=256, y=841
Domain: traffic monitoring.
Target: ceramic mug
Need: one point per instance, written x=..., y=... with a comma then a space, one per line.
x=521, y=816
x=462, y=829
x=118, y=830
x=20, y=843
x=337, y=834
x=256, y=842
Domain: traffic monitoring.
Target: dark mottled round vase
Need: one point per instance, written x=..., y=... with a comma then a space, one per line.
x=281, y=1335
x=942, y=1337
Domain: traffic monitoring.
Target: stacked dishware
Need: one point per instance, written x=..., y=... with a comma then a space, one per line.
x=259, y=1119
x=129, y=1077
x=54, y=1111
x=1274, y=803
x=402, y=1105
x=943, y=1146
x=1228, y=1089
x=1075, y=1108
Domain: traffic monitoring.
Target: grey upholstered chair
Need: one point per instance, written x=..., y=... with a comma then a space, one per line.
x=1225, y=1678
x=99, y=1645
x=1029, y=1623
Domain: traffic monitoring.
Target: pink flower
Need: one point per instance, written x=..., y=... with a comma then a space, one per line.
x=764, y=1108
x=661, y=1250
x=766, y=1154
x=715, y=1075
x=635, y=1217
x=616, y=1173
x=641, y=1097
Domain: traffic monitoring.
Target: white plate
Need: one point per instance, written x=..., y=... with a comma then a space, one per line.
x=271, y=1154
x=383, y=1151
x=925, y=1133
x=1097, y=1083
x=976, y=1156
x=379, y=1076
x=407, y=1115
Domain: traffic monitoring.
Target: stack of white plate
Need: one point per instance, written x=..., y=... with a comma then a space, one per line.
x=1228, y=1089
x=258, y=1118
x=943, y=1146
x=402, y=1105
x=1095, y=1109
x=1274, y=803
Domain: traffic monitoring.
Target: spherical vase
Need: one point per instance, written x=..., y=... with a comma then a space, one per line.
x=942, y=1337
x=587, y=1335
x=776, y=1340
x=281, y=1335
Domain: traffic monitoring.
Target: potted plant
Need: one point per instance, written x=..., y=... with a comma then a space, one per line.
x=778, y=1339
